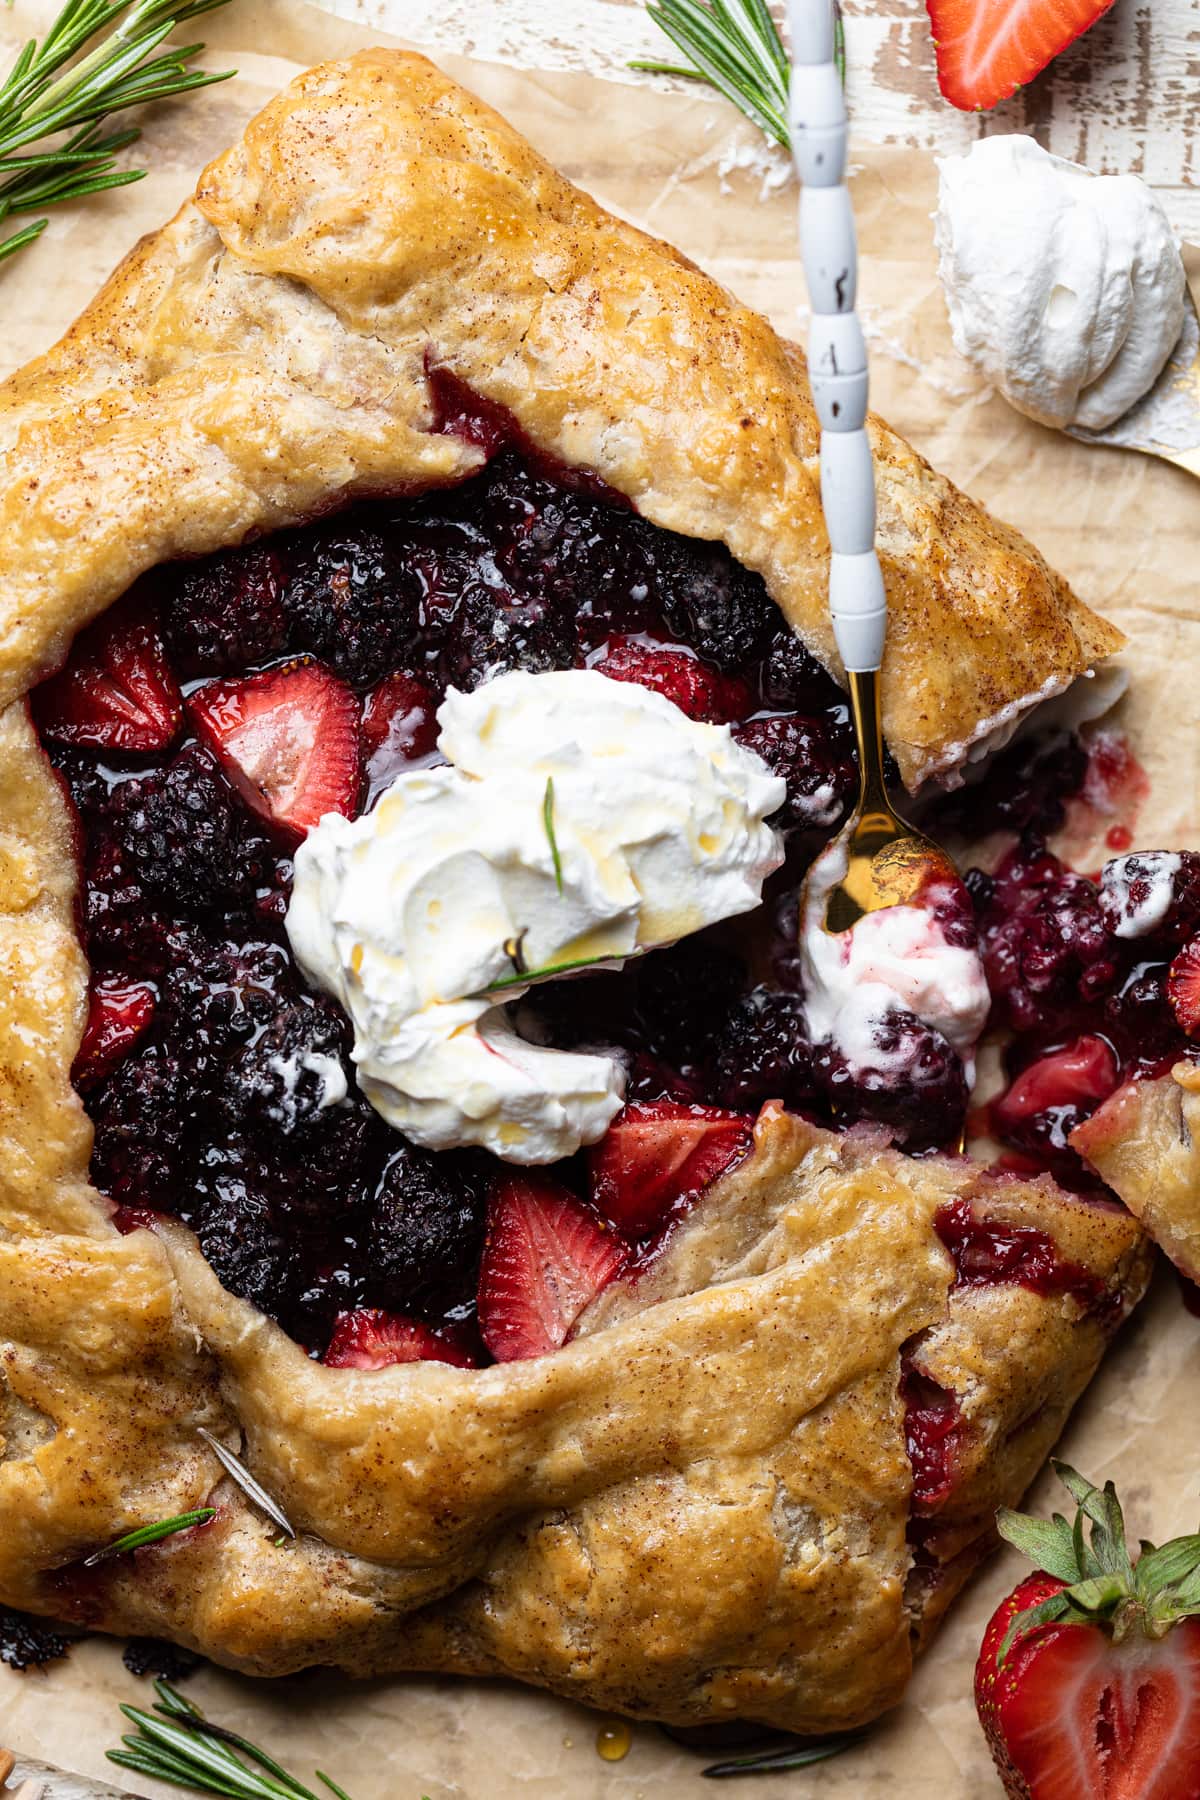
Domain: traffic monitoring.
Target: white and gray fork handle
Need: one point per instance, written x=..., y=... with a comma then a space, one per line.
x=837, y=354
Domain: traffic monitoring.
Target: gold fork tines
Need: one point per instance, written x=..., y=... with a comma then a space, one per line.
x=888, y=862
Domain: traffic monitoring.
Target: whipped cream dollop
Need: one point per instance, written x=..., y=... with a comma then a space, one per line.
x=900, y=959
x=581, y=820
x=1067, y=289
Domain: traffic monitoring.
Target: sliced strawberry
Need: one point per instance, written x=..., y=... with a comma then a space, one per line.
x=658, y=1154
x=399, y=724
x=118, y=1013
x=1183, y=988
x=289, y=740
x=987, y=49
x=696, y=689
x=1097, y=1693
x=1080, y=1076
x=117, y=691
x=545, y=1257
x=370, y=1339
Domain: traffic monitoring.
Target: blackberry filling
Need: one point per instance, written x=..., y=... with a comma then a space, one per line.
x=222, y=1090
x=1090, y=1002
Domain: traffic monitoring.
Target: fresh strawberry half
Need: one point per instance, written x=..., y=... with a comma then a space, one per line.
x=1088, y=1681
x=399, y=723
x=371, y=1339
x=117, y=691
x=696, y=689
x=1183, y=988
x=544, y=1258
x=658, y=1154
x=118, y=1013
x=289, y=740
x=987, y=49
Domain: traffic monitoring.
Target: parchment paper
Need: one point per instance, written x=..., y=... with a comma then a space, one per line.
x=1122, y=528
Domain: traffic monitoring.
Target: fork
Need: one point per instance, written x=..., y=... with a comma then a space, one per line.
x=887, y=861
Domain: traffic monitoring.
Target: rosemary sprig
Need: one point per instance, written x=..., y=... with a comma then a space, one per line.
x=548, y=822
x=796, y=1755
x=734, y=46
x=151, y=1534
x=237, y=1471
x=59, y=92
x=177, y=1744
x=528, y=976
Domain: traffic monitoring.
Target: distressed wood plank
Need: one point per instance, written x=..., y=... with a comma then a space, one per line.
x=1126, y=96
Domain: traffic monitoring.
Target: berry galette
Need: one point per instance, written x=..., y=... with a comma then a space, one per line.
x=421, y=713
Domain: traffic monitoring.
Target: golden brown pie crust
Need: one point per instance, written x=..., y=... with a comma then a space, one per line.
x=264, y=356
x=698, y=1509
x=1145, y=1143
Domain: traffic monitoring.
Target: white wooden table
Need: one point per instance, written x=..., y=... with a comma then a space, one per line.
x=1125, y=97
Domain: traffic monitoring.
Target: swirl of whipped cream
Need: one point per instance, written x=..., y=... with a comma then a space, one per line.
x=1066, y=289
x=900, y=959
x=582, y=820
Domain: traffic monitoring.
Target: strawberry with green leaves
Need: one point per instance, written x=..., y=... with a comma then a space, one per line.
x=1088, y=1682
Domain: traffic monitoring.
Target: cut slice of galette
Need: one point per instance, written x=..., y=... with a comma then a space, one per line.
x=414, y=583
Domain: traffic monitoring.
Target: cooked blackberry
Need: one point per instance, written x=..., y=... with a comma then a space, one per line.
x=763, y=1053
x=240, y=1237
x=350, y=599
x=27, y=1642
x=142, y=1115
x=592, y=559
x=223, y=613
x=652, y=1079
x=792, y=677
x=187, y=839
x=311, y=1157
x=720, y=609
x=84, y=780
x=425, y=1229
x=685, y=994
x=166, y=1662
x=590, y=1011
x=815, y=758
x=1026, y=788
x=218, y=996
x=1152, y=895
x=1137, y=1018
x=919, y=1090
x=123, y=930
x=1047, y=950
x=293, y=1074
x=493, y=633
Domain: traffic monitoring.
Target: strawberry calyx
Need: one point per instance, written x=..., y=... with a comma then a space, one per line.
x=1102, y=1584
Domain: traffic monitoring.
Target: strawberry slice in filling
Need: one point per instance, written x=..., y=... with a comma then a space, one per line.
x=289, y=740
x=658, y=1155
x=546, y=1256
